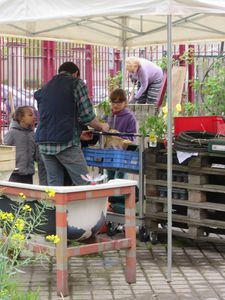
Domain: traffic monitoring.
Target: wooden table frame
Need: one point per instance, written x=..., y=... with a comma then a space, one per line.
x=63, y=196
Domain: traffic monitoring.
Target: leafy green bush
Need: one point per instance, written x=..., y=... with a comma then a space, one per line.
x=155, y=124
x=212, y=89
x=16, y=228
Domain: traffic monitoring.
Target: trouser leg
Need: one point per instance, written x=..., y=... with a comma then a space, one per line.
x=54, y=170
x=153, y=91
x=74, y=162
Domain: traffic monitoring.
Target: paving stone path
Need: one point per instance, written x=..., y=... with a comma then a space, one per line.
x=198, y=273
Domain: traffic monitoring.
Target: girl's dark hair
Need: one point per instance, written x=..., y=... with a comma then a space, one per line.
x=118, y=95
x=20, y=112
x=69, y=67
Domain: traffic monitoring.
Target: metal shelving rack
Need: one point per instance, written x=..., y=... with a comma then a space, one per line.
x=116, y=217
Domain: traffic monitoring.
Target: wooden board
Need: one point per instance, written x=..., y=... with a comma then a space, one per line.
x=178, y=79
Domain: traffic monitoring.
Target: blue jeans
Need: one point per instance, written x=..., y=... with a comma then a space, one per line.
x=72, y=159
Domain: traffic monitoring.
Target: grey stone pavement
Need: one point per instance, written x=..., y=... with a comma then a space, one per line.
x=198, y=273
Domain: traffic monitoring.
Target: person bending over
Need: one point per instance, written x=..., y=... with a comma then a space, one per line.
x=149, y=78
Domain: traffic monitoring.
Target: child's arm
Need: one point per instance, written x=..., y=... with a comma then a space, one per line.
x=131, y=128
x=9, y=139
x=132, y=92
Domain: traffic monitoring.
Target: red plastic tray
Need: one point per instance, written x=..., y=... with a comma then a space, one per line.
x=213, y=124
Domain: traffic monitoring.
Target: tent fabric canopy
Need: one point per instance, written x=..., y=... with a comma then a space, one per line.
x=120, y=23
x=114, y=23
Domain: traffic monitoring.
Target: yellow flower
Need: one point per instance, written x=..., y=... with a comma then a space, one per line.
x=178, y=108
x=165, y=109
x=165, y=116
x=18, y=237
x=50, y=192
x=27, y=207
x=20, y=224
x=152, y=137
x=5, y=216
x=22, y=196
x=53, y=238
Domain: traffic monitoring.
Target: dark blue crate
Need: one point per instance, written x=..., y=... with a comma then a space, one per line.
x=110, y=158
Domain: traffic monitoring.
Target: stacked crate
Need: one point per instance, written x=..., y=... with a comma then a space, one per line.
x=198, y=193
x=7, y=161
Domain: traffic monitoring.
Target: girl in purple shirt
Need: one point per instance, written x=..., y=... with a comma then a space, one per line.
x=121, y=119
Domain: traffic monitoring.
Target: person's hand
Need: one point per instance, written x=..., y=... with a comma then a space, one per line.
x=132, y=93
x=105, y=127
x=132, y=101
x=86, y=135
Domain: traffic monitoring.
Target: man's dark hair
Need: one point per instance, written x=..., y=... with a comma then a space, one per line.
x=69, y=67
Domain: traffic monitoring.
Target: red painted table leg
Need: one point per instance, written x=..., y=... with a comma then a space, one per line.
x=130, y=232
x=61, y=250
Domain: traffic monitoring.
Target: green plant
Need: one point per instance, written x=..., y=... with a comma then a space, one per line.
x=188, y=109
x=212, y=89
x=103, y=109
x=12, y=293
x=114, y=81
x=187, y=56
x=155, y=124
x=16, y=228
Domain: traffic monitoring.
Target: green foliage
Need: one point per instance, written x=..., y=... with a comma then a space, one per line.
x=189, y=109
x=16, y=228
x=103, y=109
x=153, y=124
x=162, y=63
x=115, y=81
x=212, y=89
x=12, y=293
x=187, y=56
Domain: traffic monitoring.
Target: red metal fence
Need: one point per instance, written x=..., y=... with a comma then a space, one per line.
x=25, y=64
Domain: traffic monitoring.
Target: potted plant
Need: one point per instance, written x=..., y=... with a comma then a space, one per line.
x=154, y=127
x=208, y=113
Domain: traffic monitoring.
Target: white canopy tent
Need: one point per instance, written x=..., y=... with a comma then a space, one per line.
x=126, y=23
x=114, y=23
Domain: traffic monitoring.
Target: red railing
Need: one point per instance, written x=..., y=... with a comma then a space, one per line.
x=27, y=64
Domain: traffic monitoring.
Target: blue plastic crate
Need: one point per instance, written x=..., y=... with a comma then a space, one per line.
x=110, y=158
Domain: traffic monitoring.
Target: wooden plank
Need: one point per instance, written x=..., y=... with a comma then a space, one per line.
x=186, y=234
x=187, y=220
x=178, y=78
x=188, y=203
x=192, y=170
x=197, y=213
x=205, y=187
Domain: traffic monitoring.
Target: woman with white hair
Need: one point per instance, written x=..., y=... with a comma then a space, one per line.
x=149, y=77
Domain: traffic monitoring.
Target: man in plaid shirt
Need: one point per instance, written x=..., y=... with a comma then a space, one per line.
x=63, y=104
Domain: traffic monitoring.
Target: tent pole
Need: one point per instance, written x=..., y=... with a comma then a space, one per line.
x=124, y=23
x=169, y=149
x=124, y=69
